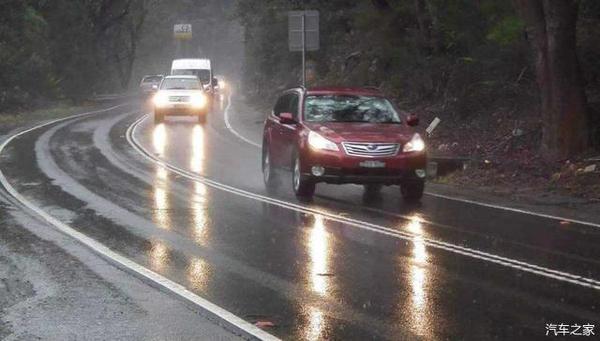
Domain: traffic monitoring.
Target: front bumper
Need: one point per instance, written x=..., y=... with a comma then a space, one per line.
x=340, y=168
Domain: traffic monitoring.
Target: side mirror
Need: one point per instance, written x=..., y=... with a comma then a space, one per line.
x=286, y=118
x=412, y=120
x=214, y=82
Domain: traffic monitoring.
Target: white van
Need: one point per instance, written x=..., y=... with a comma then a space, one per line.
x=197, y=67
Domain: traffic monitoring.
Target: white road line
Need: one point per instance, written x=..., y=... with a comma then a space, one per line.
x=511, y=209
x=473, y=253
x=125, y=263
x=228, y=125
x=443, y=196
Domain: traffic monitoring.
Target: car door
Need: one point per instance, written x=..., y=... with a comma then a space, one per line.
x=274, y=130
x=288, y=132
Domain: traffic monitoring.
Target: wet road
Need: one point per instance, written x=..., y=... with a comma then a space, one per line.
x=187, y=201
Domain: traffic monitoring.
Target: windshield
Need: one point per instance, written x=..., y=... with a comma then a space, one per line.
x=180, y=84
x=203, y=74
x=345, y=108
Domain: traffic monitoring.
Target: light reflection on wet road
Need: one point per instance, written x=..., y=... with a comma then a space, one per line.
x=316, y=278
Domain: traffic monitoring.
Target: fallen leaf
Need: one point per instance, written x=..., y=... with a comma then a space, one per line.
x=264, y=324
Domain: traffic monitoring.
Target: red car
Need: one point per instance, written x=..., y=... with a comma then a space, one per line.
x=339, y=136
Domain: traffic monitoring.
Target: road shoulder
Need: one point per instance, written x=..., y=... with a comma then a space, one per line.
x=55, y=288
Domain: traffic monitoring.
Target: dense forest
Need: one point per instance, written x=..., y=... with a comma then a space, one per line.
x=74, y=49
x=531, y=59
x=50, y=49
x=530, y=67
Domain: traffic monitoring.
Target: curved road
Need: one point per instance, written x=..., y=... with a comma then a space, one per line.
x=187, y=202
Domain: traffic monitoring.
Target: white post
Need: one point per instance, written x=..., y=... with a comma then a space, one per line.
x=303, y=50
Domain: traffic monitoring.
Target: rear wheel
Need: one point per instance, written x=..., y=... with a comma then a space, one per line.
x=372, y=189
x=303, y=187
x=269, y=176
x=412, y=191
x=159, y=117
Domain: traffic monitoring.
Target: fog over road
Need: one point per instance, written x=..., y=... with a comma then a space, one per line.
x=187, y=201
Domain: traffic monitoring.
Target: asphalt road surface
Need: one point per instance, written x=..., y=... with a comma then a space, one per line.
x=187, y=202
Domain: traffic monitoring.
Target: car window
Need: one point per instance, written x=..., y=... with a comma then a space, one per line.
x=152, y=79
x=203, y=74
x=293, y=105
x=180, y=84
x=347, y=108
x=282, y=105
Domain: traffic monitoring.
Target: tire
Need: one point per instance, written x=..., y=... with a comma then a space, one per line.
x=269, y=175
x=159, y=117
x=303, y=187
x=412, y=191
x=372, y=189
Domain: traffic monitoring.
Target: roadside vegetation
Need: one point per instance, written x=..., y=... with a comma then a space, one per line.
x=65, y=50
x=516, y=95
x=10, y=121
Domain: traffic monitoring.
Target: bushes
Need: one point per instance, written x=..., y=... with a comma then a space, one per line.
x=65, y=49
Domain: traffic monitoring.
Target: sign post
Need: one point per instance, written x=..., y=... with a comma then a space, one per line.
x=303, y=34
x=182, y=34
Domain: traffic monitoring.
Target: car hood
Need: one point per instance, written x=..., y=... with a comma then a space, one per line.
x=181, y=92
x=362, y=132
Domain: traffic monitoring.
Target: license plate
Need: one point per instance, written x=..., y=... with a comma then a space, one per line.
x=372, y=164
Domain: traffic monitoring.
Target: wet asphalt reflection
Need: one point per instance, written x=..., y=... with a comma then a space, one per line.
x=312, y=276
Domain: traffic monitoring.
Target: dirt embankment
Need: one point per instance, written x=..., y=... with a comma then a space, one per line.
x=503, y=146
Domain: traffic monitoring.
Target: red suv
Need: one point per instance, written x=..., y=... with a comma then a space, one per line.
x=339, y=136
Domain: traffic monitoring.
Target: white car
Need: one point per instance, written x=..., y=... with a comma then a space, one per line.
x=180, y=95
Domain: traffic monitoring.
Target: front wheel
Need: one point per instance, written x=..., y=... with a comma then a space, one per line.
x=303, y=187
x=269, y=176
x=412, y=191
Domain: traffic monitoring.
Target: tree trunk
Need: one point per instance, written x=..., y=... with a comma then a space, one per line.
x=551, y=27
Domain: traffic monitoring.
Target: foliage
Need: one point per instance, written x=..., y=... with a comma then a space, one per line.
x=62, y=48
x=462, y=52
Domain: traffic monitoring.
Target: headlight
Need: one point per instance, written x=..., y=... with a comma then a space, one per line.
x=416, y=144
x=318, y=142
x=198, y=101
x=160, y=99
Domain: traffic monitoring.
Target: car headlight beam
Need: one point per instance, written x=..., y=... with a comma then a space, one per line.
x=318, y=142
x=198, y=101
x=416, y=144
x=160, y=99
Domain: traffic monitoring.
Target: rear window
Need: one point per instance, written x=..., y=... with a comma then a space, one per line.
x=203, y=74
x=346, y=108
x=181, y=84
x=152, y=79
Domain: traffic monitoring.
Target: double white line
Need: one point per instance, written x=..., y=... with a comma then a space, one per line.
x=231, y=321
x=457, y=249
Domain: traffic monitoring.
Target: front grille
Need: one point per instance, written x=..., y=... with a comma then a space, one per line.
x=179, y=98
x=371, y=149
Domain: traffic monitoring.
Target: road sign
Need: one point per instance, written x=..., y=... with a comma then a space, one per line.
x=303, y=34
x=303, y=30
x=182, y=31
